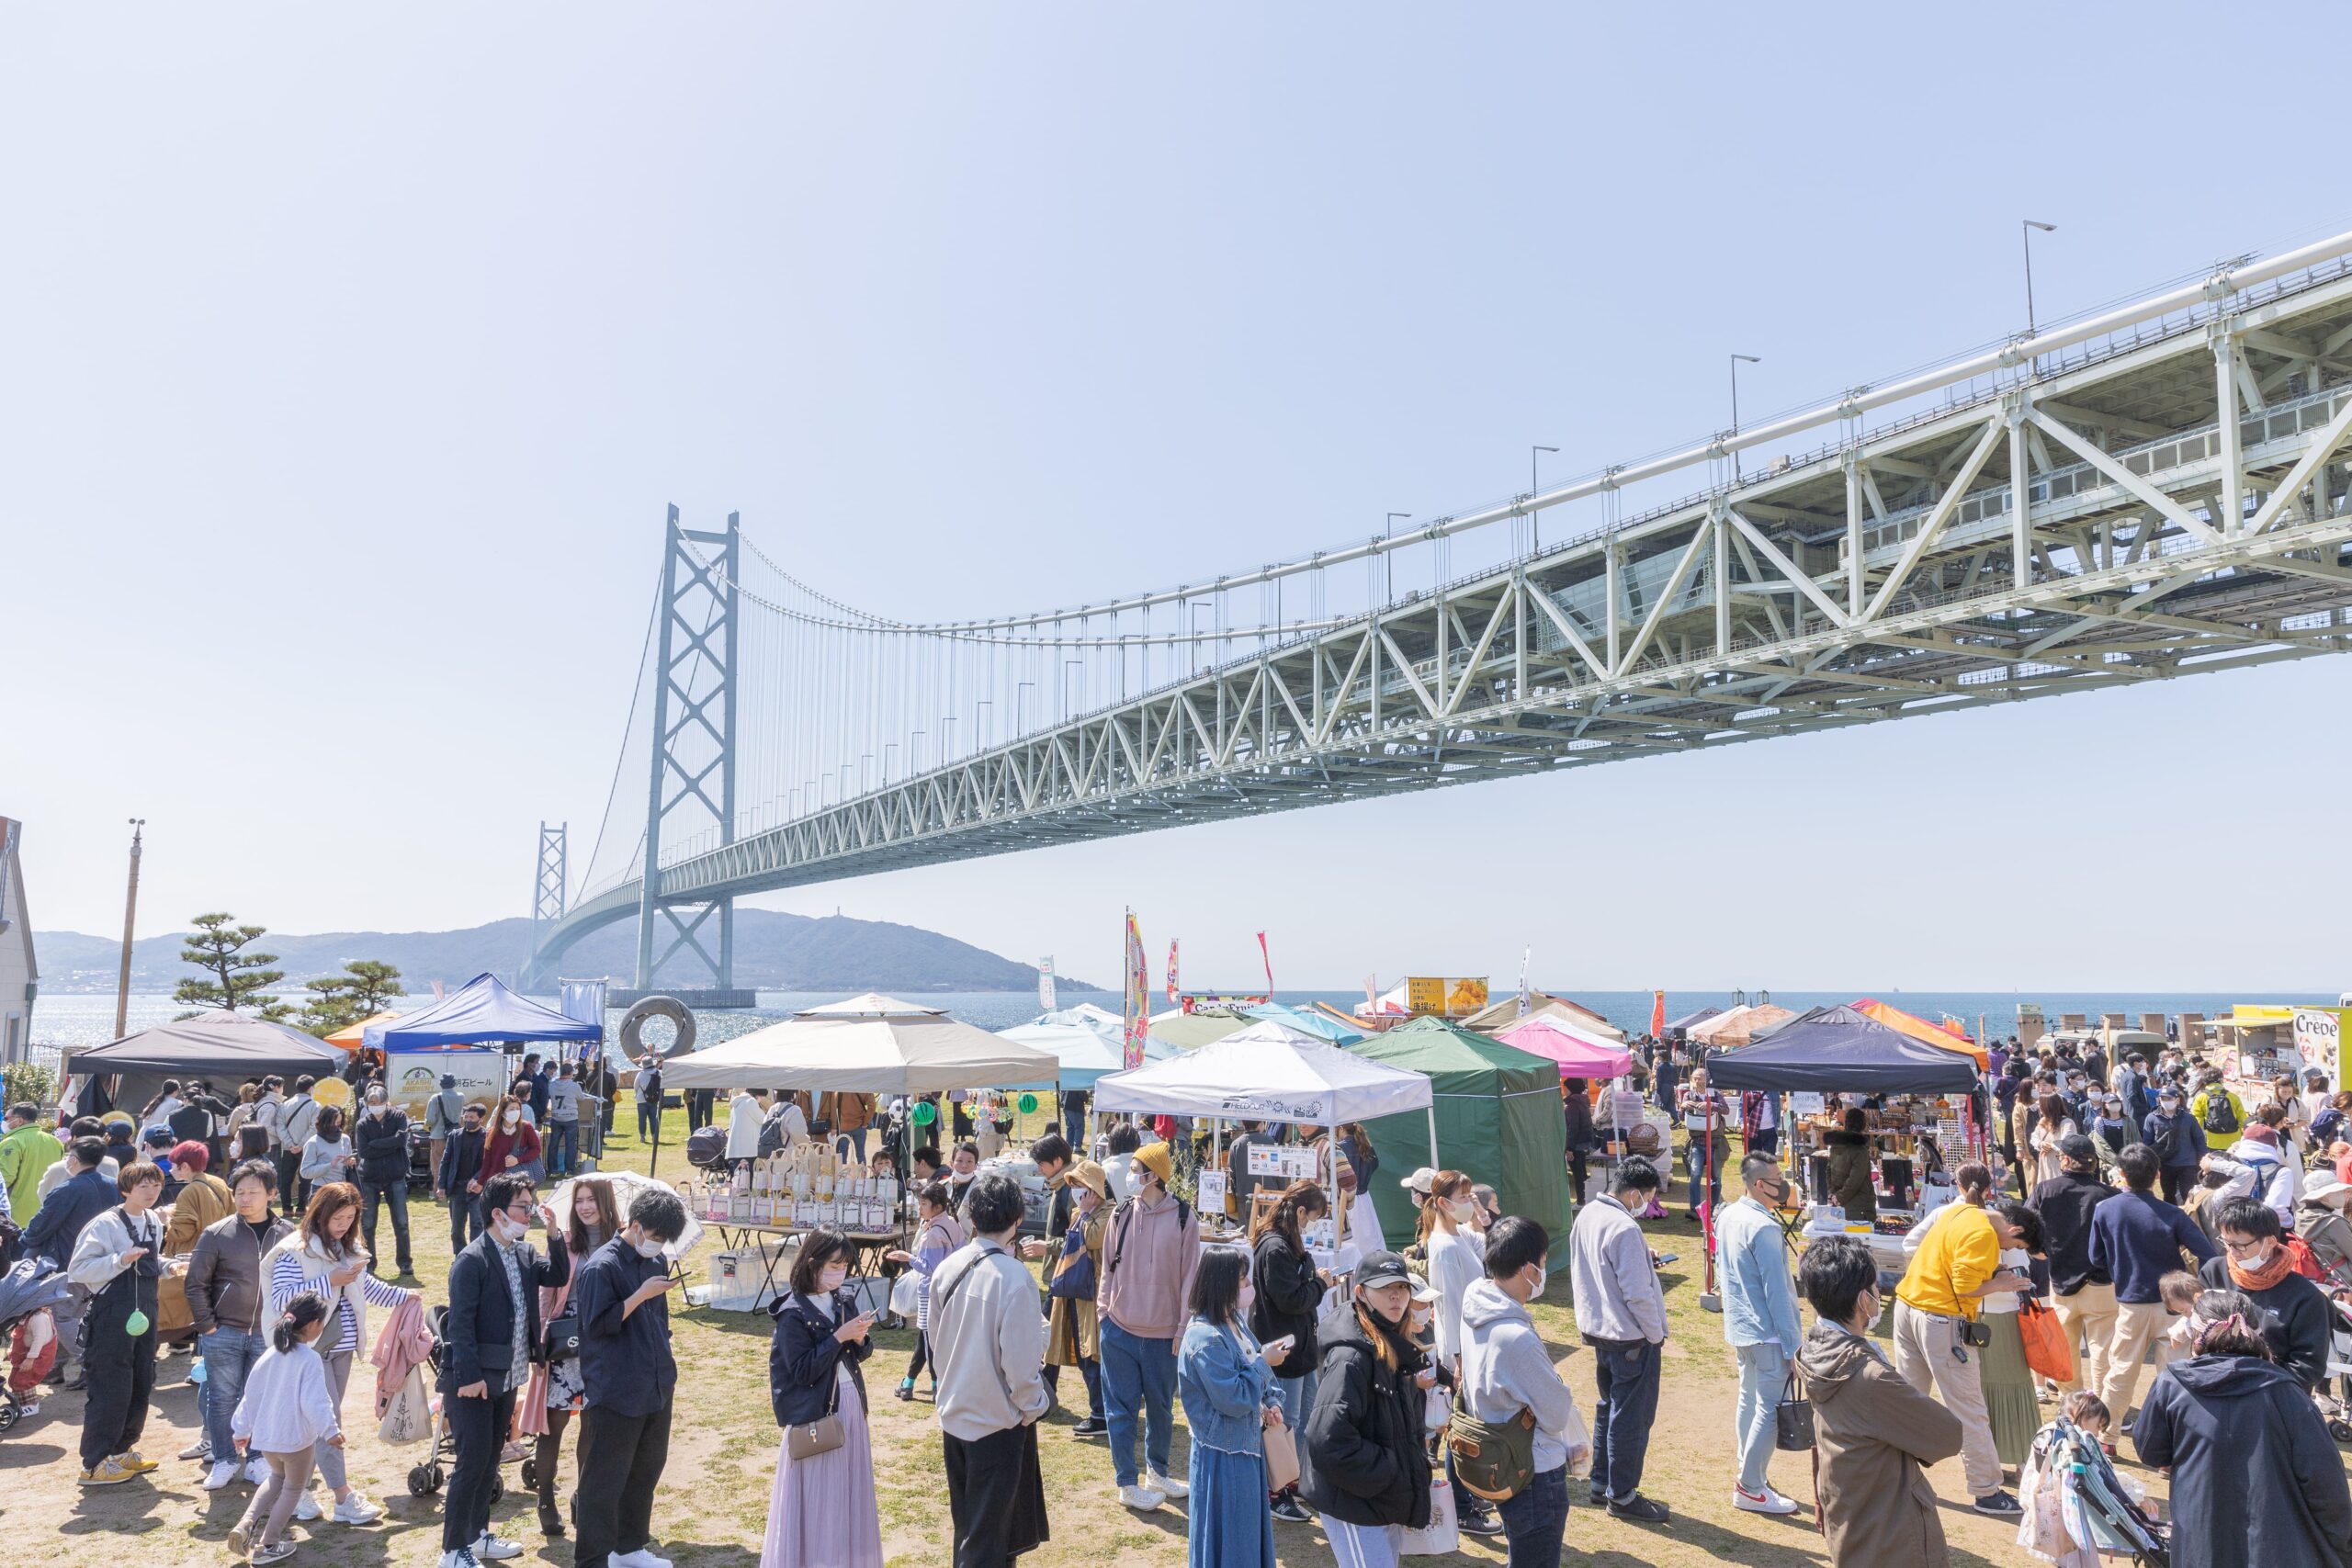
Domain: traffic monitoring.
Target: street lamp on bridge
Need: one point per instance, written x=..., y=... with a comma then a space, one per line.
x=1736, y=360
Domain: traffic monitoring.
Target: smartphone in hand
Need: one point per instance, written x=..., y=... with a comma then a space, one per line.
x=1666, y=1257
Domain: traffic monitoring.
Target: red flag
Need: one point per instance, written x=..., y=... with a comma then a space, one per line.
x=1657, y=1014
x=1269, y=965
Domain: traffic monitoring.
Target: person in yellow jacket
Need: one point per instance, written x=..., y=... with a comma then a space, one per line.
x=1958, y=1263
x=2219, y=1111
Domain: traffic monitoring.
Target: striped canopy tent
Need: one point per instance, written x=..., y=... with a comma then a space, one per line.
x=1947, y=1036
x=1741, y=1026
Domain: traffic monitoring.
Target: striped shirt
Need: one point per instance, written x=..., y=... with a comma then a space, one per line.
x=287, y=1281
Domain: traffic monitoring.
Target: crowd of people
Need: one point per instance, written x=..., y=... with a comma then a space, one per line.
x=1412, y=1400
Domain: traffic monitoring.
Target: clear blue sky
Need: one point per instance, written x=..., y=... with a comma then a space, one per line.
x=352, y=360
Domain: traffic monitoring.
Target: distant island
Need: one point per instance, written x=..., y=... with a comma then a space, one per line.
x=774, y=951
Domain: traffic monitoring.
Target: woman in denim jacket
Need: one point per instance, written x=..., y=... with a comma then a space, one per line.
x=1229, y=1400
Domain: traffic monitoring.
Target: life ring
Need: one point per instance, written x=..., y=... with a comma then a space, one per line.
x=670, y=1007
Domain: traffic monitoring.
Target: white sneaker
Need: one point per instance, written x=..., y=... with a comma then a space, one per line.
x=459, y=1557
x=492, y=1549
x=1765, y=1502
x=641, y=1558
x=1141, y=1498
x=258, y=1471
x=222, y=1474
x=306, y=1507
x=195, y=1449
x=357, y=1510
x=1165, y=1486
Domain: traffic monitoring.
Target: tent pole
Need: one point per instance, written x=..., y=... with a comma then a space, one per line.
x=1432, y=1111
x=1707, y=1226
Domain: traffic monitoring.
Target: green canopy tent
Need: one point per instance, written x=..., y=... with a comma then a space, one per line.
x=1499, y=1120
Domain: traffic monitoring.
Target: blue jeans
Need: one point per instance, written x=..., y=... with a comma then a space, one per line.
x=1535, y=1521
x=1763, y=1375
x=562, y=1150
x=229, y=1354
x=1624, y=1375
x=1138, y=1379
x=396, y=1193
x=1297, y=1395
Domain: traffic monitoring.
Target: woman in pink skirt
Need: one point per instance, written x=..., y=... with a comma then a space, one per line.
x=822, y=1512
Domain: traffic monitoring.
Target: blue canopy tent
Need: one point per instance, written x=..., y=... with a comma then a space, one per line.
x=1320, y=1025
x=1083, y=1047
x=481, y=1011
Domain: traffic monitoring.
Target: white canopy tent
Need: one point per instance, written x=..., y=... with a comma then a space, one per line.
x=869, y=1045
x=1271, y=1073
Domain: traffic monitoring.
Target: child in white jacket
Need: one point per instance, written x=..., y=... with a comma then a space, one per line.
x=286, y=1414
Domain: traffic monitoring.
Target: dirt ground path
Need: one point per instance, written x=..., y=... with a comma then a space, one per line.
x=712, y=1509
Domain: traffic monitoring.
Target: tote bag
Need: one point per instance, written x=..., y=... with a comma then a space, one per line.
x=409, y=1418
x=1282, y=1458
x=2046, y=1350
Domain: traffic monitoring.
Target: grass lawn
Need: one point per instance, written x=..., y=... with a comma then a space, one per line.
x=712, y=1509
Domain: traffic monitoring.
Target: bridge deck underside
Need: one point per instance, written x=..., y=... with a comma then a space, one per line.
x=2171, y=508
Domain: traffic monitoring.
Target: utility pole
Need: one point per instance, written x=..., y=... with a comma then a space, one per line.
x=130, y=917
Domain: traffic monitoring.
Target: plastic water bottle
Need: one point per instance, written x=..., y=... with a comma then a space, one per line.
x=195, y=1372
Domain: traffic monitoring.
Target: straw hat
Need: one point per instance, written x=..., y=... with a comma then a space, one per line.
x=1089, y=1175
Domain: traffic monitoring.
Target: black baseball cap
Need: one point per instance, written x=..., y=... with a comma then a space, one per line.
x=1382, y=1269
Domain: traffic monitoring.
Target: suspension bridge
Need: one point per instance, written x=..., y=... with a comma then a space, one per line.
x=2141, y=493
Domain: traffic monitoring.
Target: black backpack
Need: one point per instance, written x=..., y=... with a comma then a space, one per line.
x=772, y=1132
x=2221, y=1116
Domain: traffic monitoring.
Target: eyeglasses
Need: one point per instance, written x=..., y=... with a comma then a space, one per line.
x=2251, y=1245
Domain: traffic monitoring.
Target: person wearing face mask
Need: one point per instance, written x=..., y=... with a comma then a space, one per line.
x=628, y=1373
x=2294, y=1311
x=1507, y=1373
x=1149, y=1252
x=1760, y=1323
x=1363, y=1463
x=1073, y=1326
x=2180, y=1146
x=555, y=1393
x=1289, y=1288
x=1873, y=1432
x=380, y=1144
x=1229, y=1402
x=822, y=1509
x=458, y=1179
x=1456, y=1260
x=512, y=1142
x=491, y=1324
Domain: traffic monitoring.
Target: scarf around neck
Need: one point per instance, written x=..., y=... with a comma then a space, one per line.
x=2281, y=1264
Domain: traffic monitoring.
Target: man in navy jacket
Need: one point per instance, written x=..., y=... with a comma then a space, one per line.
x=493, y=1321
x=2137, y=1240
x=627, y=1376
x=71, y=1205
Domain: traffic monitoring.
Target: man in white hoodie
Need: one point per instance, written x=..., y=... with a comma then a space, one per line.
x=1505, y=1370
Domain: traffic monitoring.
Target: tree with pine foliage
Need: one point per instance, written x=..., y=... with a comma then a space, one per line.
x=338, y=1001
x=240, y=978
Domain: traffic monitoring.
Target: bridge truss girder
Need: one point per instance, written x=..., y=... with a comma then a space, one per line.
x=2105, y=525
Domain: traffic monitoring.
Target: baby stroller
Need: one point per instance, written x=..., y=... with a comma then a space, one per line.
x=429, y=1475
x=32, y=1284
x=2097, y=1510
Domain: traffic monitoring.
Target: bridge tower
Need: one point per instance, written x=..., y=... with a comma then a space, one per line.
x=691, y=798
x=554, y=877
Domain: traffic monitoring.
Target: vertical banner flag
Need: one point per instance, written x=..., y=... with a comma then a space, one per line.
x=1269, y=965
x=1525, y=955
x=1045, y=984
x=1172, y=997
x=1138, y=989
x=1658, y=1015
x=583, y=1001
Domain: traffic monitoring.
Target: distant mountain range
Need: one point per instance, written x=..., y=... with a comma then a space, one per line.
x=774, y=951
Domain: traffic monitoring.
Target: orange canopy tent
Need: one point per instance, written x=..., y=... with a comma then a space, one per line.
x=1949, y=1036
x=348, y=1037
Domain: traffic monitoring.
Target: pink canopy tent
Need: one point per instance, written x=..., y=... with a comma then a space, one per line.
x=1580, y=1055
